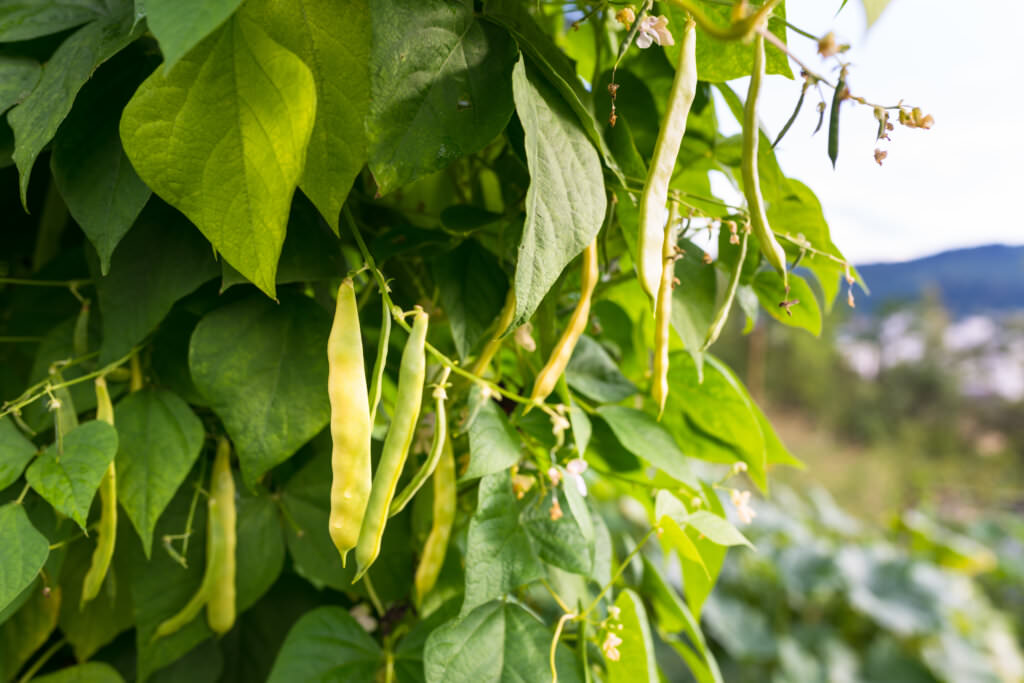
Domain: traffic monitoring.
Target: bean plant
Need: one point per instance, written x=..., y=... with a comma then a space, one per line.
x=434, y=281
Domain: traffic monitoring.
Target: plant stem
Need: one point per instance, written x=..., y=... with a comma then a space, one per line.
x=618, y=572
x=43, y=658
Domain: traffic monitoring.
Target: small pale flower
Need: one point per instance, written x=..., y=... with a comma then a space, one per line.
x=614, y=612
x=361, y=613
x=524, y=337
x=654, y=30
x=575, y=469
x=610, y=646
x=559, y=425
x=739, y=467
x=486, y=392
x=555, y=476
x=741, y=499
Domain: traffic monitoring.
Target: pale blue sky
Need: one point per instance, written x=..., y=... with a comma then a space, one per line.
x=958, y=184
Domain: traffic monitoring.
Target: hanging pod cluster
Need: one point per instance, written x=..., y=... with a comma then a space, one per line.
x=363, y=500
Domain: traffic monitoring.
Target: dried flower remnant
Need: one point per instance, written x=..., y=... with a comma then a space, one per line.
x=521, y=483
x=654, y=30
x=361, y=613
x=524, y=337
x=880, y=156
x=556, y=511
x=626, y=16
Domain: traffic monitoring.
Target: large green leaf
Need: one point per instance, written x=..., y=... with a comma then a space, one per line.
x=15, y=452
x=440, y=87
x=179, y=25
x=139, y=291
x=718, y=60
x=68, y=479
x=27, y=630
x=223, y=137
x=101, y=189
x=472, y=289
x=327, y=645
x=263, y=368
x=27, y=19
x=561, y=542
x=91, y=626
x=797, y=307
x=499, y=556
x=719, y=407
x=90, y=672
x=693, y=301
x=18, y=76
x=159, y=439
x=640, y=434
x=36, y=119
x=635, y=663
x=499, y=642
x=565, y=204
x=593, y=373
x=493, y=444
x=25, y=552
x=333, y=39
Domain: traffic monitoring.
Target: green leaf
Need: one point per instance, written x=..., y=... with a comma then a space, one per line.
x=804, y=314
x=223, y=137
x=873, y=9
x=263, y=369
x=717, y=60
x=15, y=452
x=495, y=642
x=68, y=480
x=499, y=556
x=18, y=76
x=310, y=252
x=593, y=373
x=636, y=652
x=670, y=515
x=105, y=616
x=90, y=672
x=672, y=617
x=693, y=301
x=472, y=289
x=27, y=630
x=101, y=189
x=565, y=204
x=493, y=444
x=557, y=67
x=562, y=542
x=332, y=38
x=179, y=25
x=148, y=477
x=34, y=18
x=644, y=437
x=720, y=407
x=700, y=581
x=25, y=552
x=139, y=291
x=718, y=529
x=439, y=84
x=36, y=119
x=327, y=644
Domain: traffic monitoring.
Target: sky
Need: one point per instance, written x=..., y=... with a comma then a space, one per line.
x=953, y=186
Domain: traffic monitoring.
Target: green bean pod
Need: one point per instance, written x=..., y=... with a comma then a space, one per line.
x=548, y=376
x=217, y=590
x=106, y=532
x=730, y=295
x=351, y=423
x=663, y=163
x=436, y=448
x=770, y=246
x=411, y=377
x=436, y=547
x=494, y=343
x=377, y=381
x=663, y=314
x=221, y=541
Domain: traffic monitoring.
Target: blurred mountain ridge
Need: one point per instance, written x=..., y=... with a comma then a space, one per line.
x=979, y=280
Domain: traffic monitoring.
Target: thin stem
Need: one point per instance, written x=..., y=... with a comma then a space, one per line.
x=21, y=340
x=618, y=572
x=43, y=659
x=21, y=496
x=192, y=508
x=43, y=283
x=374, y=600
x=567, y=617
x=561, y=603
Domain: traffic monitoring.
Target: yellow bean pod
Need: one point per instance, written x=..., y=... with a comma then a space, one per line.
x=436, y=547
x=350, y=423
x=663, y=314
x=106, y=532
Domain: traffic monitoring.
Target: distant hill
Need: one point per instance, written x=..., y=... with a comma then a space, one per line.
x=987, y=279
